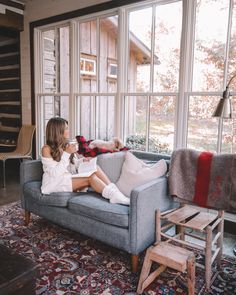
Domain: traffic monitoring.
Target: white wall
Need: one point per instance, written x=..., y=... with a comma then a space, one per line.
x=36, y=10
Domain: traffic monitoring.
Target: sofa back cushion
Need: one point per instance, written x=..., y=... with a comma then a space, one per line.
x=112, y=164
x=151, y=158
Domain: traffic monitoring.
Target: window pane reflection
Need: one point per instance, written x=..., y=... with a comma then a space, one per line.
x=202, y=128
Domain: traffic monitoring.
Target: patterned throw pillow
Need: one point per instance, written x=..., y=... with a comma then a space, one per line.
x=84, y=149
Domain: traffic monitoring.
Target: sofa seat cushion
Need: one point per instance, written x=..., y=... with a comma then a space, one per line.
x=32, y=190
x=96, y=207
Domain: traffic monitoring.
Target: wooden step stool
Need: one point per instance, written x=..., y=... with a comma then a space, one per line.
x=189, y=222
x=167, y=255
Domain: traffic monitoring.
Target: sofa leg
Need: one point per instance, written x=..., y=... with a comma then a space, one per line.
x=27, y=217
x=134, y=262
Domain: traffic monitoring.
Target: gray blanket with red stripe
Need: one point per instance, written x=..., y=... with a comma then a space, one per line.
x=203, y=178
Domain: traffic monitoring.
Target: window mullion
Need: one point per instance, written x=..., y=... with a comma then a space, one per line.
x=95, y=130
x=38, y=86
x=74, y=62
x=122, y=73
x=226, y=64
x=152, y=47
x=151, y=75
x=148, y=123
x=57, y=69
x=227, y=45
x=98, y=88
x=185, y=74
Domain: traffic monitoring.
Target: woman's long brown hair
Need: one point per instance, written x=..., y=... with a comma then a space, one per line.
x=55, y=136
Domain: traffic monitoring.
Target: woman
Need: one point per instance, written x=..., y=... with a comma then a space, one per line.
x=56, y=159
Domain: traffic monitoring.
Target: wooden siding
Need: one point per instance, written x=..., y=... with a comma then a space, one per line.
x=103, y=106
x=49, y=61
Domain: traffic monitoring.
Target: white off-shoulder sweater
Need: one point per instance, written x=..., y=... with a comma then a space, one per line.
x=56, y=176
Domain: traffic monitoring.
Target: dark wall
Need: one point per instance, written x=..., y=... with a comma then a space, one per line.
x=10, y=88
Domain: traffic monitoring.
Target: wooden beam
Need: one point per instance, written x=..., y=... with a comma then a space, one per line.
x=12, y=20
x=13, y=4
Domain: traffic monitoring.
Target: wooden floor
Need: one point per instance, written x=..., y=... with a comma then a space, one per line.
x=11, y=193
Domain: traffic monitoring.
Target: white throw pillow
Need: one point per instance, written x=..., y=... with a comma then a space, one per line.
x=135, y=172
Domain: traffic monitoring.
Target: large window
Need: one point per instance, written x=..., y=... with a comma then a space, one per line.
x=212, y=61
x=153, y=68
x=78, y=79
x=151, y=73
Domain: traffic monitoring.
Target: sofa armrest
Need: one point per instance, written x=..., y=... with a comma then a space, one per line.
x=30, y=170
x=145, y=200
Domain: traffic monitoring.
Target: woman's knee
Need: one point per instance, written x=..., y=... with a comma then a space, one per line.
x=92, y=177
x=78, y=185
x=98, y=168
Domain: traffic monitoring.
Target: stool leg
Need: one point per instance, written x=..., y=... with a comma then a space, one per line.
x=158, y=225
x=191, y=274
x=220, y=228
x=180, y=230
x=145, y=271
x=208, y=255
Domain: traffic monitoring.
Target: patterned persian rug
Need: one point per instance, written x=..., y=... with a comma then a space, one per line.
x=71, y=263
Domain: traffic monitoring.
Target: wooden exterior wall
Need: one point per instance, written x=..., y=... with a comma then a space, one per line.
x=103, y=105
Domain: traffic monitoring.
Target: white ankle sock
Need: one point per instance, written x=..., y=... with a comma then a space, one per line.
x=115, y=196
x=107, y=191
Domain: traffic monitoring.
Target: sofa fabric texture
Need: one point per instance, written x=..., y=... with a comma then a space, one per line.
x=130, y=228
x=94, y=206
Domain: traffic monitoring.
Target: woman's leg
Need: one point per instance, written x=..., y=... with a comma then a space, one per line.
x=101, y=174
x=108, y=191
x=96, y=183
x=80, y=183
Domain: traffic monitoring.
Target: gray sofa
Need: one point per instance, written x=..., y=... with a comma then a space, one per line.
x=130, y=228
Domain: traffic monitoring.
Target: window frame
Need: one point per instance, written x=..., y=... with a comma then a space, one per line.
x=112, y=63
x=185, y=72
x=91, y=59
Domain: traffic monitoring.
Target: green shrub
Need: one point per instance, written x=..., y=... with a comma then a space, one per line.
x=138, y=142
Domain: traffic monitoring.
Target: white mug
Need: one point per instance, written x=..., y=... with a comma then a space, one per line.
x=74, y=142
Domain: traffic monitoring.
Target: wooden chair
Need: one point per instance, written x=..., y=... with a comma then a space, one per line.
x=23, y=148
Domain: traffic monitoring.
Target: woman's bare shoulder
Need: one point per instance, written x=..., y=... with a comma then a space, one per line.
x=46, y=151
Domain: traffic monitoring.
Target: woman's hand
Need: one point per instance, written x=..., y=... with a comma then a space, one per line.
x=71, y=148
x=87, y=159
